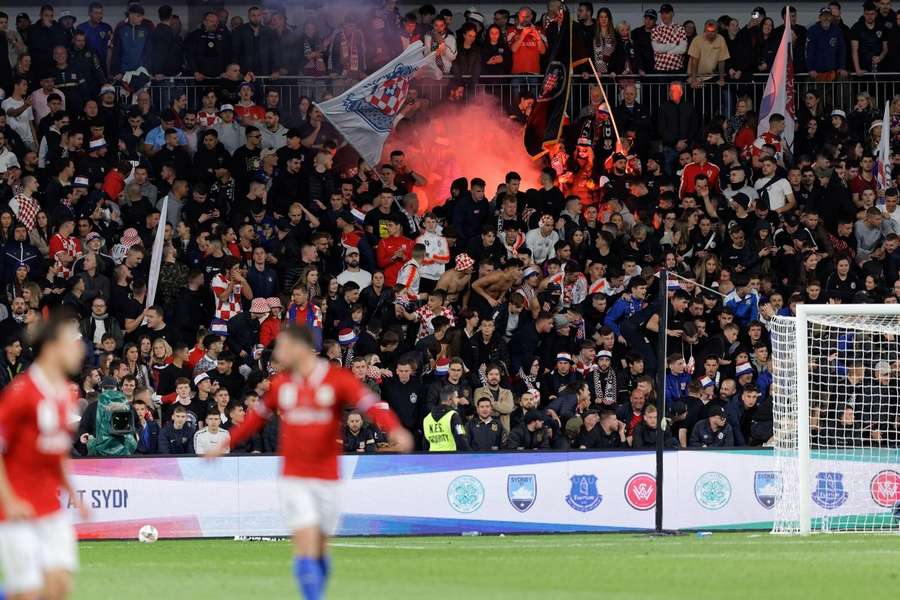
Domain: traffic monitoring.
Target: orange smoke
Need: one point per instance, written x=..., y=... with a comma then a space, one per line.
x=455, y=140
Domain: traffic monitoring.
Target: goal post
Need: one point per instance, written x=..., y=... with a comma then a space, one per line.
x=836, y=419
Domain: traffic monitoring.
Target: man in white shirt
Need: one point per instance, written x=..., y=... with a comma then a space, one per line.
x=353, y=273
x=19, y=114
x=212, y=436
x=8, y=159
x=891, y=210
x=541, y=241
x=777, y=189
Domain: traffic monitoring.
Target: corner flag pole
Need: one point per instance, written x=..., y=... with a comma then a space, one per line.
x=662, y=425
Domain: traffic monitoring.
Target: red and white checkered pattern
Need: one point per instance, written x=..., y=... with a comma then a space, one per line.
x=426, y=316
x=25, y=209
x=207, y=119
x=389, y=96
x=60, y=246
x=668, y=34
x=231, y=306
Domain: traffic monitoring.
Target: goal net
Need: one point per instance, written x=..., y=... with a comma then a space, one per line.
x=836, y=411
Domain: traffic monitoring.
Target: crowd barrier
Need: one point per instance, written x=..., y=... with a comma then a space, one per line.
x=709, y=98
x=419, y=494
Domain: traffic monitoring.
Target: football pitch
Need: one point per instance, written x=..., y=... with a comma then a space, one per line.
x=728, y=566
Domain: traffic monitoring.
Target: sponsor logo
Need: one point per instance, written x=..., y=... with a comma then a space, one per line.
x=640, y=491
x=712, y=490
x=465, y=494
x=767, y=487
x=885, y=488
x=584, y=496
x=830, y=492
x=521, y=490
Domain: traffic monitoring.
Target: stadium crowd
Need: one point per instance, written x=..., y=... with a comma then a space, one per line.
x=524, y=317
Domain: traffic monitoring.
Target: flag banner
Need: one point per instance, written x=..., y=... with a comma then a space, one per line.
x=779, y=94
x=156, y=256
x=545, y=123
x=367, y=113
x=883, y=164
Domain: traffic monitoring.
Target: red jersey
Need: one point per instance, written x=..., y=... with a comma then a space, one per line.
x=311, y=411
x=689, y=175
x=250, y=114
x=385, y=256
x=35, y=438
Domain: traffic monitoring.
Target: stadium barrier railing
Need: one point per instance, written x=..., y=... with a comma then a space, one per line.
x=710, y=98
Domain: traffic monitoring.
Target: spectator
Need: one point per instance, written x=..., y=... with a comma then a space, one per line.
x=868, y=42
x=530, y=434
x=527, y=44
x=358, y=436
x=255, y=46
x=826, y=57
x=131, y=43
x=707, y=56
x=208, y=49
x=714, y=431
x=165, y=46
x=211, y=436
x=483, y=430
x=669, y=43
x=177, y=435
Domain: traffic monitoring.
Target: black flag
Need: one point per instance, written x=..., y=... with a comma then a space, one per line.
x=545, y=123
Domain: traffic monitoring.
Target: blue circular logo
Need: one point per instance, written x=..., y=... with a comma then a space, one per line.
x=712, y=490
x=465, y=494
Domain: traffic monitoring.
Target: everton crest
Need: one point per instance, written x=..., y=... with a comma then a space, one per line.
x=583, y=496
x=830, y=492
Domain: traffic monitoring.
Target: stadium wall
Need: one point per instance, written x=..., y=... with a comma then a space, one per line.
x=430, y=494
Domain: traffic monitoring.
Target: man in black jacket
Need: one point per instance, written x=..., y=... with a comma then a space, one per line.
x=404, y=395
x=483, y=430
x=165, y=46
x=255, y=46
x=530, y=434
x=243, y=329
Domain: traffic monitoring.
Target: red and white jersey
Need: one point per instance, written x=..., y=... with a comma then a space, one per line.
x=205, y=119
x=426, y=316
x=437, y=254
x=410, y=276
x=35, y=438
x=230, y=306
x=60, y=246
x=311, y=411
x=766, y=138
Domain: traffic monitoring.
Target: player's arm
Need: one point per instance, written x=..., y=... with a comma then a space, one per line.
x=13, y=507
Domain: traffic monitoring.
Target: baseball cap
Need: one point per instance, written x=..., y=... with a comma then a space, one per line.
x=65, y=14
x=758, y=12
x=353, y=250
x=200, y=377
x=791, y=219
x=710, y=25
x=225, y=107
x=107, y=89
x=742, y=199
x=716, y=411
x=838, y=113
x=565, y=355
x=531, y=416
x=824, y=11
x=650, y=13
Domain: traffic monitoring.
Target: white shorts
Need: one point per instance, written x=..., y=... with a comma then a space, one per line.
x=28, y=549
x=307, y=502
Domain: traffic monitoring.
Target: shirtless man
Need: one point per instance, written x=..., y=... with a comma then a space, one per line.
x=456, y=281
x=490, y=290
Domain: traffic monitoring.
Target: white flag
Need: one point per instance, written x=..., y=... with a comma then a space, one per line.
x=883, y=164
x=779, y=94
x=366, y=113
x=156, y=257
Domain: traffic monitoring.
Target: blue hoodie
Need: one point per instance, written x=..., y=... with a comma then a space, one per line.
x=131, y=47
x=825, y=49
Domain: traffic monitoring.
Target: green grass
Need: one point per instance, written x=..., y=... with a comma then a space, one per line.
x=725, y=566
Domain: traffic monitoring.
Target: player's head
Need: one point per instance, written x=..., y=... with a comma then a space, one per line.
x=295, y=345
x=58, y=341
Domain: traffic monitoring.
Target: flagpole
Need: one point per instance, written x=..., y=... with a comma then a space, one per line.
x=606, y=100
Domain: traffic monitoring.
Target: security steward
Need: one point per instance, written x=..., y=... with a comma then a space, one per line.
x=443, y=427
x=484, y=431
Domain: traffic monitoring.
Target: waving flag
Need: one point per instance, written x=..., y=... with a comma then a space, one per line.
x=883, y=160
x=779, y=94
x=545, y=123
x=367, y=113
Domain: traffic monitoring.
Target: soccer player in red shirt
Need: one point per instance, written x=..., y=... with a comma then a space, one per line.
x=38, y=551
x=310, y=395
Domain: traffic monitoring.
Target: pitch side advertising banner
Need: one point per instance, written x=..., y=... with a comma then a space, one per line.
x=458, y=493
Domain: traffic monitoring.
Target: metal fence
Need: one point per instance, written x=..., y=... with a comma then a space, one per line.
x=709, y=99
